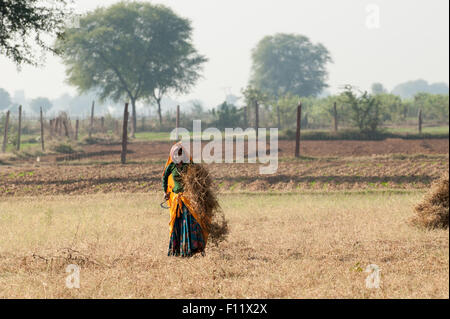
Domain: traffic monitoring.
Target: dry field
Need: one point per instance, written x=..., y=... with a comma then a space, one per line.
x=310, y=245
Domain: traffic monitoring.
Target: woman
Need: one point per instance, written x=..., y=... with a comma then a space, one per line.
x=187, y=236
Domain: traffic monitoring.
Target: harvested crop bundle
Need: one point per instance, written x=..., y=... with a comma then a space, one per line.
x=432, y=212
x=201, y=192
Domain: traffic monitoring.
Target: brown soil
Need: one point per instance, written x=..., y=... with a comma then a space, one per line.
x=378, y=172
x=327, y=165
x=151, y=151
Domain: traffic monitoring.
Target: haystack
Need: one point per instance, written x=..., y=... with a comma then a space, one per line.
x=432, y=212
x=201, y=191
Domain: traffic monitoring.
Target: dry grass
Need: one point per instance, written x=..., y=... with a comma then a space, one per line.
x=280, y=246
x=432, y=211
x=202, y=194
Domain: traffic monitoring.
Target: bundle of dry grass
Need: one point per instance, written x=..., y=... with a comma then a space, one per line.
x=432, y=212
x=201, y=191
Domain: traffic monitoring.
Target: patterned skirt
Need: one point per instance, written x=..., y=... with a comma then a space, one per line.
x=187, y=237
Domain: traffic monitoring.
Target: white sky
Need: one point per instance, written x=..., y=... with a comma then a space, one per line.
x=412, y=42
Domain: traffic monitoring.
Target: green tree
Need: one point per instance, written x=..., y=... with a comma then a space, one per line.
x=253, y=97
x=287, y=110
x=378, y=88
x=131, y=50
x=364, y=110
x=392, y=107
x=39, y=102
x=25, y=24
x=227, y=115
x=5, y=99
x=289, y=63
x=434, y=106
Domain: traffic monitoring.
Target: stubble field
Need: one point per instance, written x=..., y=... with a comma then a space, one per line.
x=312, y=245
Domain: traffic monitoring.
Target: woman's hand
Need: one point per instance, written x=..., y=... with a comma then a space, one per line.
x=167, y=196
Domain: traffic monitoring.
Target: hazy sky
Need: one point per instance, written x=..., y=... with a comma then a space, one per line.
x=411, y=42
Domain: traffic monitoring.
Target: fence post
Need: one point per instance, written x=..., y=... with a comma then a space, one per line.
x=335, y=115
x=91, y=127
x=19, y=132
x=125, y=135
x=103, y=124
x=42, y=132
x=420, y=120
x=77, y=126
x=66, y=128
x=256, y=117
x=57, y=131
x=297, y=135
x=5, y=134
x=51, y=127
x=177, y=121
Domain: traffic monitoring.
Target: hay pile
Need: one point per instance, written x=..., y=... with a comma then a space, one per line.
x=201, y=192
x=432, y=212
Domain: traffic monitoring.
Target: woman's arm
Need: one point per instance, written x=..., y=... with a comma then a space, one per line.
x=166, y=175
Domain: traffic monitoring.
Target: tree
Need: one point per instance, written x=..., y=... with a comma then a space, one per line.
x=5, y=99
x=39, y=102
x=392, y=107
x=27, y=23
x=227, y=115
x=364, y=110
x=434, y=106
x=131, y=50
x=289, y=63
x=378, y=88
x=410, y=89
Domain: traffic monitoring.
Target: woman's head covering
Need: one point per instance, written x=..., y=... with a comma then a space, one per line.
x=175, y=155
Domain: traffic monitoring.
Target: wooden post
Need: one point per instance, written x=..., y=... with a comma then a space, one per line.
x=5, y=134
x=66, y=128
x=19, y=131
x=125, y=135
x=42, y=132
x=51, y=127
x=57, y=132
x=103, y=124
x=420, y=120
x=91, y=127
x=256, y=117
x=297, y=135
x=77, y=126
x=335, y=115
x=177, y=121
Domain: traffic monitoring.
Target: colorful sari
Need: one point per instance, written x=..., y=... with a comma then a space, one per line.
x=187, y=234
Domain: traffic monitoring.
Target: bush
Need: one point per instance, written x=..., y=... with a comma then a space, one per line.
x=63, y=148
